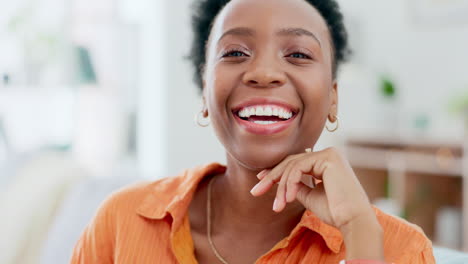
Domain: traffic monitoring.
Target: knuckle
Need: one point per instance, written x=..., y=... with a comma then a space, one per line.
x=291, y=157
x=283, y=180
x=334, y=152
x=331, y=149
x=291, y=180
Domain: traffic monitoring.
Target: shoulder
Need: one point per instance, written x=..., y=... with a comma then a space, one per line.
x=131, y=197
x=136, y=191
x=125, y=212
x=403, y=240
x=164, y=190
x=396, y=227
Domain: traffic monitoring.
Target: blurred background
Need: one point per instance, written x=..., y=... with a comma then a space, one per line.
x=95, y=95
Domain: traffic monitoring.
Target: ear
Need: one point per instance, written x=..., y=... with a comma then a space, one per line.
x=202, y=75
x=333, y=111
x=205, y=108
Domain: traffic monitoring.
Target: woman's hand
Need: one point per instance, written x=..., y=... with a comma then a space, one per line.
x=338, y=200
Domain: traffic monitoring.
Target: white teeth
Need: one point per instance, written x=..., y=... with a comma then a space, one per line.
x=259, y=111
x=283, y=114
x=243, y=113
x=265, y=111
x=275, y=112
x=264, y=122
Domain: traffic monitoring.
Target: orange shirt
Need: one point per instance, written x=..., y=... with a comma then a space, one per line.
x=148, y=223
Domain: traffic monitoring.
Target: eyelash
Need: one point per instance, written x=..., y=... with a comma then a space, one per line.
x=229, y=52
x=225, y=54
x=305, y=55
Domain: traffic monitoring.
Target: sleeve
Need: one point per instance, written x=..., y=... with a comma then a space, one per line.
x=96, y=244
x=424, y=257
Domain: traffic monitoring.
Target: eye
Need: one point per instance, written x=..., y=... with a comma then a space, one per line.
x=299, y=55
x=233, y=53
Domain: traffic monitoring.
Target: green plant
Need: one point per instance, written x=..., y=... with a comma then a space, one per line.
x=387, y=87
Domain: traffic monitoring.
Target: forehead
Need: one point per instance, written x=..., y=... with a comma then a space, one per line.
x=266, y=16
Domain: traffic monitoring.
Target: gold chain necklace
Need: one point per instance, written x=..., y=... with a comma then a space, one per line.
x=208, y=223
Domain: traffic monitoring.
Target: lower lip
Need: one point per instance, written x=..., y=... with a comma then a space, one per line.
x=264, y=129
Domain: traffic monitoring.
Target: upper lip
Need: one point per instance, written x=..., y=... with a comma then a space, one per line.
x=265, y=101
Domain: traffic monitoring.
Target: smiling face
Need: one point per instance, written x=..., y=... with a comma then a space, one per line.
x=268, y=82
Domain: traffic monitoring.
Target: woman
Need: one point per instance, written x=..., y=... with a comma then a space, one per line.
x=267, y=70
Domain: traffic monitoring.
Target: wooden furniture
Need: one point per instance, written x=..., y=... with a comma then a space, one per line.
x=422, y=175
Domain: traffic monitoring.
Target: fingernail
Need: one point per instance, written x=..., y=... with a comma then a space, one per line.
x=259, y=175
x=262, y=174
x=255, y=189
x=275, y=205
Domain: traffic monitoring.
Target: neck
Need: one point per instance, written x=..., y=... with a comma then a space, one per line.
x=236, y=209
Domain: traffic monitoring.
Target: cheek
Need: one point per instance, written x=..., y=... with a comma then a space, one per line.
x=219, y=87
x=315, y=91
x=316, y=96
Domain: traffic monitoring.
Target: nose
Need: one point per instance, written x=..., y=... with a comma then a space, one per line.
x=264, y=75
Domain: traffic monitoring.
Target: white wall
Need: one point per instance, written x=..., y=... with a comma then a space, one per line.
x=429, y=66
x=188, y=144
x=429, y=63
x=150, y=18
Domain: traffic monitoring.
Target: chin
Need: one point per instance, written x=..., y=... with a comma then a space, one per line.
x=259, y=158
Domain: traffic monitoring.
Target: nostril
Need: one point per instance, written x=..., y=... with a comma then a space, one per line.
x=264, y=84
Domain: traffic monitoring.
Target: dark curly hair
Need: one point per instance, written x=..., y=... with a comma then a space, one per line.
x=205, y=12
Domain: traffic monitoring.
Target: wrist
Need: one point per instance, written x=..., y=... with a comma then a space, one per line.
x=363, y=238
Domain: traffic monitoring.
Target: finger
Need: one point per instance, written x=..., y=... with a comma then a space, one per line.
x=278, y=170
x=262, y=187
x=295, y=174
x=310, y=164
x=262, y=174
x=299, y=176
x=309, y=180
x=319, y=168
x=280, y=201
x=292, y=185
x=337, y=176
x=304, y=193
x=272, y=176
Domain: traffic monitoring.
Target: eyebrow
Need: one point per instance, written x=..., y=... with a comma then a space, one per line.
x=298, y=32
x=243, y=31
x=239, y=31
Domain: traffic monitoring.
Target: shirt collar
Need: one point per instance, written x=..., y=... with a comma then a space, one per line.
x=172, y=196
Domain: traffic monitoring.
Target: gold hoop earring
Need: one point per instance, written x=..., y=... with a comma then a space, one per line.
x=198, y=122
x=336, y=127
